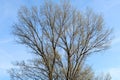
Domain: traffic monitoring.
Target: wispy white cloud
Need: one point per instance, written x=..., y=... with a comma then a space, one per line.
x=115, y=73
x=4, y=75
x=116, y=41
x=5, y=63
x=7, y=58
x=5, y=41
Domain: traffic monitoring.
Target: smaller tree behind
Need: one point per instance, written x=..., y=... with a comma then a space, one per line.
x=55, y=30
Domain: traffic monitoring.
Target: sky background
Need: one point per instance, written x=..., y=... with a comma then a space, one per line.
x=10, y=51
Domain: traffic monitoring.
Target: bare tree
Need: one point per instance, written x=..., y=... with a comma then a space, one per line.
x=61, y=37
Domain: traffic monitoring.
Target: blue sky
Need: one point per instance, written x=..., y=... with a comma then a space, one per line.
x=107, y=61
